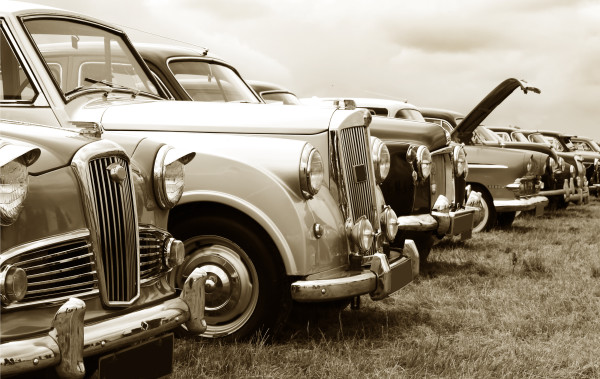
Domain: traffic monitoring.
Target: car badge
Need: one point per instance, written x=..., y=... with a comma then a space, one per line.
x=117, y=172
x=360, y=173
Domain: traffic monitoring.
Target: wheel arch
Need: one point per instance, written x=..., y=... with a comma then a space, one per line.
x=211, y=202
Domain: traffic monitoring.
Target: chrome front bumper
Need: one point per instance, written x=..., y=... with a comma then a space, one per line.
x=379, y=280
x=535, y=202
x=418, y=223
x=69, y=340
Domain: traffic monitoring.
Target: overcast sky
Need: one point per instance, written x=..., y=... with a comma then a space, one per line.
x=439, y=53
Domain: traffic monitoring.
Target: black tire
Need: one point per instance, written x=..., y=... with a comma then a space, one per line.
x=505, y=219
x=250, y=293
x=489, y=211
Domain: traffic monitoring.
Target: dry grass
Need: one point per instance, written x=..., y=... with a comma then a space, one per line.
x=516, y=303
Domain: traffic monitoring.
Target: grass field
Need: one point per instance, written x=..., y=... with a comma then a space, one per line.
x=516, y=303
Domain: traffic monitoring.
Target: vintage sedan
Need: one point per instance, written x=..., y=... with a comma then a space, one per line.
x=562, y=142
x=85, y=254
x=427, y=182
x=581, y=185
x=558, y=179
x=280, y=204
x=587, y=144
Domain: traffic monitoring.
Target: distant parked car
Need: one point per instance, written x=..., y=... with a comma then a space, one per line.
x=85, y=255
x=590, y=152
x=572, y=157
x=280, y=203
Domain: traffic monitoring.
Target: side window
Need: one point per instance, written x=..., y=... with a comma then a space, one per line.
x=15, y=85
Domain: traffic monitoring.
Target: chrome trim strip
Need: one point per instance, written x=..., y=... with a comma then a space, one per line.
x=520, y=204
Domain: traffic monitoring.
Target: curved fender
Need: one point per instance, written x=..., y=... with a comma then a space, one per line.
x=273, y=200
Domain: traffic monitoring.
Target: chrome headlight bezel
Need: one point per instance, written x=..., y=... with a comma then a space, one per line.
x=311, y=171
x=381, y=159
x=424, y=162
x=362, y=233
x=461, y=165
x=597, y=164
x=389, y=223
x=14, y=179
x=169, y=175
x=529, y=165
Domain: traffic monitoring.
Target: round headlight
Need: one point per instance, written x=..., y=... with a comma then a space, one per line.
x=389, y=222
x=13, y=284
x=362, y=234
x=460, y=162
x=562, y=164
x=14, y=182
x=311, y=171
x=572, y=170
x=552, y=164
x=530, y=164
x=597, y=163
x=423, y=162
x=169, y=175
x=381, y=159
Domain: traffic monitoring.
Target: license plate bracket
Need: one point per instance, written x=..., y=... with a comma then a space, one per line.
x=150, y=359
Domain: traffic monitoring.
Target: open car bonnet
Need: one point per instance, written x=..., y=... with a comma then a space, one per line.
x=464, y=130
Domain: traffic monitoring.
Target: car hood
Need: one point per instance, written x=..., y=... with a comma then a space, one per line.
x=58, y=146
x=424, y=133
x=464, y=130
x=531, y=146
x=193, y=116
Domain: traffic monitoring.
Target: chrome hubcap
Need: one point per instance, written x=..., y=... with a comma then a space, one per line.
x=484, y=219
x=231, y=284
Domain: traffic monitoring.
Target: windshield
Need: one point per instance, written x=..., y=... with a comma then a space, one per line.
x=409, y=114
x=555, y=143
x=280, y=97
x=83, y=57
x=582, y=145
x=209, y=81
x=486, y=135
x=519, y=137
x=538, y=138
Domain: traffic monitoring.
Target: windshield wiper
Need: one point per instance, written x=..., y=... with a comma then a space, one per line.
x=134, y=92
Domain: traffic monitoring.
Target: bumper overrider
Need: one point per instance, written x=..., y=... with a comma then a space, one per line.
x=460, y=221
x=380, y=276
x=69, y=340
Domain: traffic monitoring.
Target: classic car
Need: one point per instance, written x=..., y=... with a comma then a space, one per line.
x=558, y=180
x=272, y=93
x=280, y=204
x=508, y=179
x=184, y=72
x=434, y=202
x=85, y=255
x=587, y=144
x=563, y=142
x=581, y=183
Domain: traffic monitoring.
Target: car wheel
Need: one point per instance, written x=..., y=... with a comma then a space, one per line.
x=246, y=288
x=505, y=219
x=488, y=221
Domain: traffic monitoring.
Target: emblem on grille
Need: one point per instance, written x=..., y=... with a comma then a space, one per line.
x=117, y=172
x=360, y=173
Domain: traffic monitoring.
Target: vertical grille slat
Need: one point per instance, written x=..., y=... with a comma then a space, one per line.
x=354, y=150
x=116, y=219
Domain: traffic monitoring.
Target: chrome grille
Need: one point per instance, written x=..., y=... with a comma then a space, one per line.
x=62, y=269
x=151, y=254
x=113, y=207
x=354, y=150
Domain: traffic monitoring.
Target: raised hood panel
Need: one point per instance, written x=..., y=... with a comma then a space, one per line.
x=190, y=116
x=464, y=130
x=57, y=146
x=425, y=133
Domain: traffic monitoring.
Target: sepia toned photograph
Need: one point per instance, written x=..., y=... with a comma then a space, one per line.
x=274, y=189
